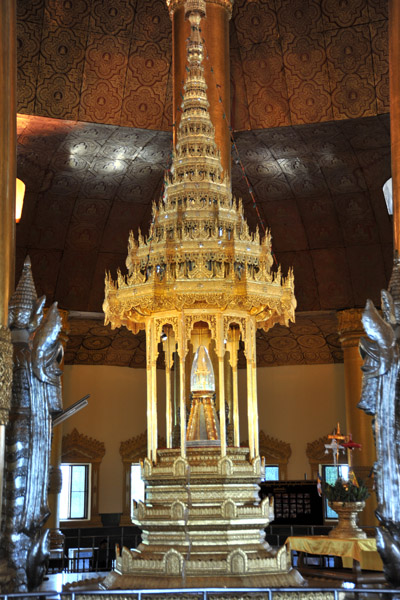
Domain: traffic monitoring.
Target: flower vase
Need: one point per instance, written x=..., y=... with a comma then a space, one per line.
x=347, y=520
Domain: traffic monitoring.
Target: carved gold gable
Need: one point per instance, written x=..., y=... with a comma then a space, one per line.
x=77, y=447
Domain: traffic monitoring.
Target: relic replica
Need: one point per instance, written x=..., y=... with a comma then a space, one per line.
x=201, y=285
x=36, y=396
x=380, y=398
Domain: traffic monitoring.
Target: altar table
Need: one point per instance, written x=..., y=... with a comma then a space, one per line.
x=355, y=553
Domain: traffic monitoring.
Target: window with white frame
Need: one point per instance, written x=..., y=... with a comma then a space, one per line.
x=75, y=492
x=271, y=473
x=329, y=475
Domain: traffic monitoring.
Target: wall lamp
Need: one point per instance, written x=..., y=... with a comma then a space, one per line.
x=19, y=199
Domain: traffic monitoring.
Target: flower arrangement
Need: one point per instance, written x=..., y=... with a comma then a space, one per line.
x=346, y=491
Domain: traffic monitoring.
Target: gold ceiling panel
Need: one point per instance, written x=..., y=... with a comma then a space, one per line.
x=291, y=62
x=313, y=339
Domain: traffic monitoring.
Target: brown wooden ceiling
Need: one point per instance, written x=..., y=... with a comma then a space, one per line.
x=310, y=113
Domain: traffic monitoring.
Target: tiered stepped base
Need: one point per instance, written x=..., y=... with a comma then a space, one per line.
x=203, y=526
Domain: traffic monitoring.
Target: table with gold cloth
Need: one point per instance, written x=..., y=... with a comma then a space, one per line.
x=351, y=550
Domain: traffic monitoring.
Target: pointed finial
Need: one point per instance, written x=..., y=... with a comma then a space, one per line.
x=24, y=299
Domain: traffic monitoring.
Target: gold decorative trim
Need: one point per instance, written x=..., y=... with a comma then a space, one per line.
x=164, y=322
x=317, y=455
x=211, y=320
x=232, y=320
x=6, y=373
x=350, y=327
x=78, y=448
x=134, y=449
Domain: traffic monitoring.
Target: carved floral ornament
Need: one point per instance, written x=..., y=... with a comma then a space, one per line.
x=274, y=449
x=172, y=322
x=79, y=447
x=169, y=321
x=135, y=449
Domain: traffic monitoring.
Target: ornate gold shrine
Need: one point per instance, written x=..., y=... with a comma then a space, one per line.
x=200, y=281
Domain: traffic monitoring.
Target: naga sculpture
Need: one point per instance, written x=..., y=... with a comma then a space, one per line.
x=36, y=396
x=380, y=397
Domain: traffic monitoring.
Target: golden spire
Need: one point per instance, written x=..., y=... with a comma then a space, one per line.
x=199, y=251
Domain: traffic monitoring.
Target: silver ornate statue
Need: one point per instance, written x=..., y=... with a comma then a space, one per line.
x=36, y=396
x=380, y=397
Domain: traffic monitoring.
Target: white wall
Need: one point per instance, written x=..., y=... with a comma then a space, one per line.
x=296, y=404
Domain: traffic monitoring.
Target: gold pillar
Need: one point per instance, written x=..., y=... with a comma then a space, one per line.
x=220, y=352
x=250, y=410
x=358, y=423
x=153, y=397
x=254, y=389
x=177, y=393
x=233, y=347
x=8, y=160
x=228, y=398
x=8, y=137
x=255, y=408
x=149, y=390
x=215, y=30
x=222, y=416
x=236, y=426
x=250, y=403
x=182, y=405
x=394, y=83
x=168, y=416
x=154, y=410
x=182, y=352
x=169, y=347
